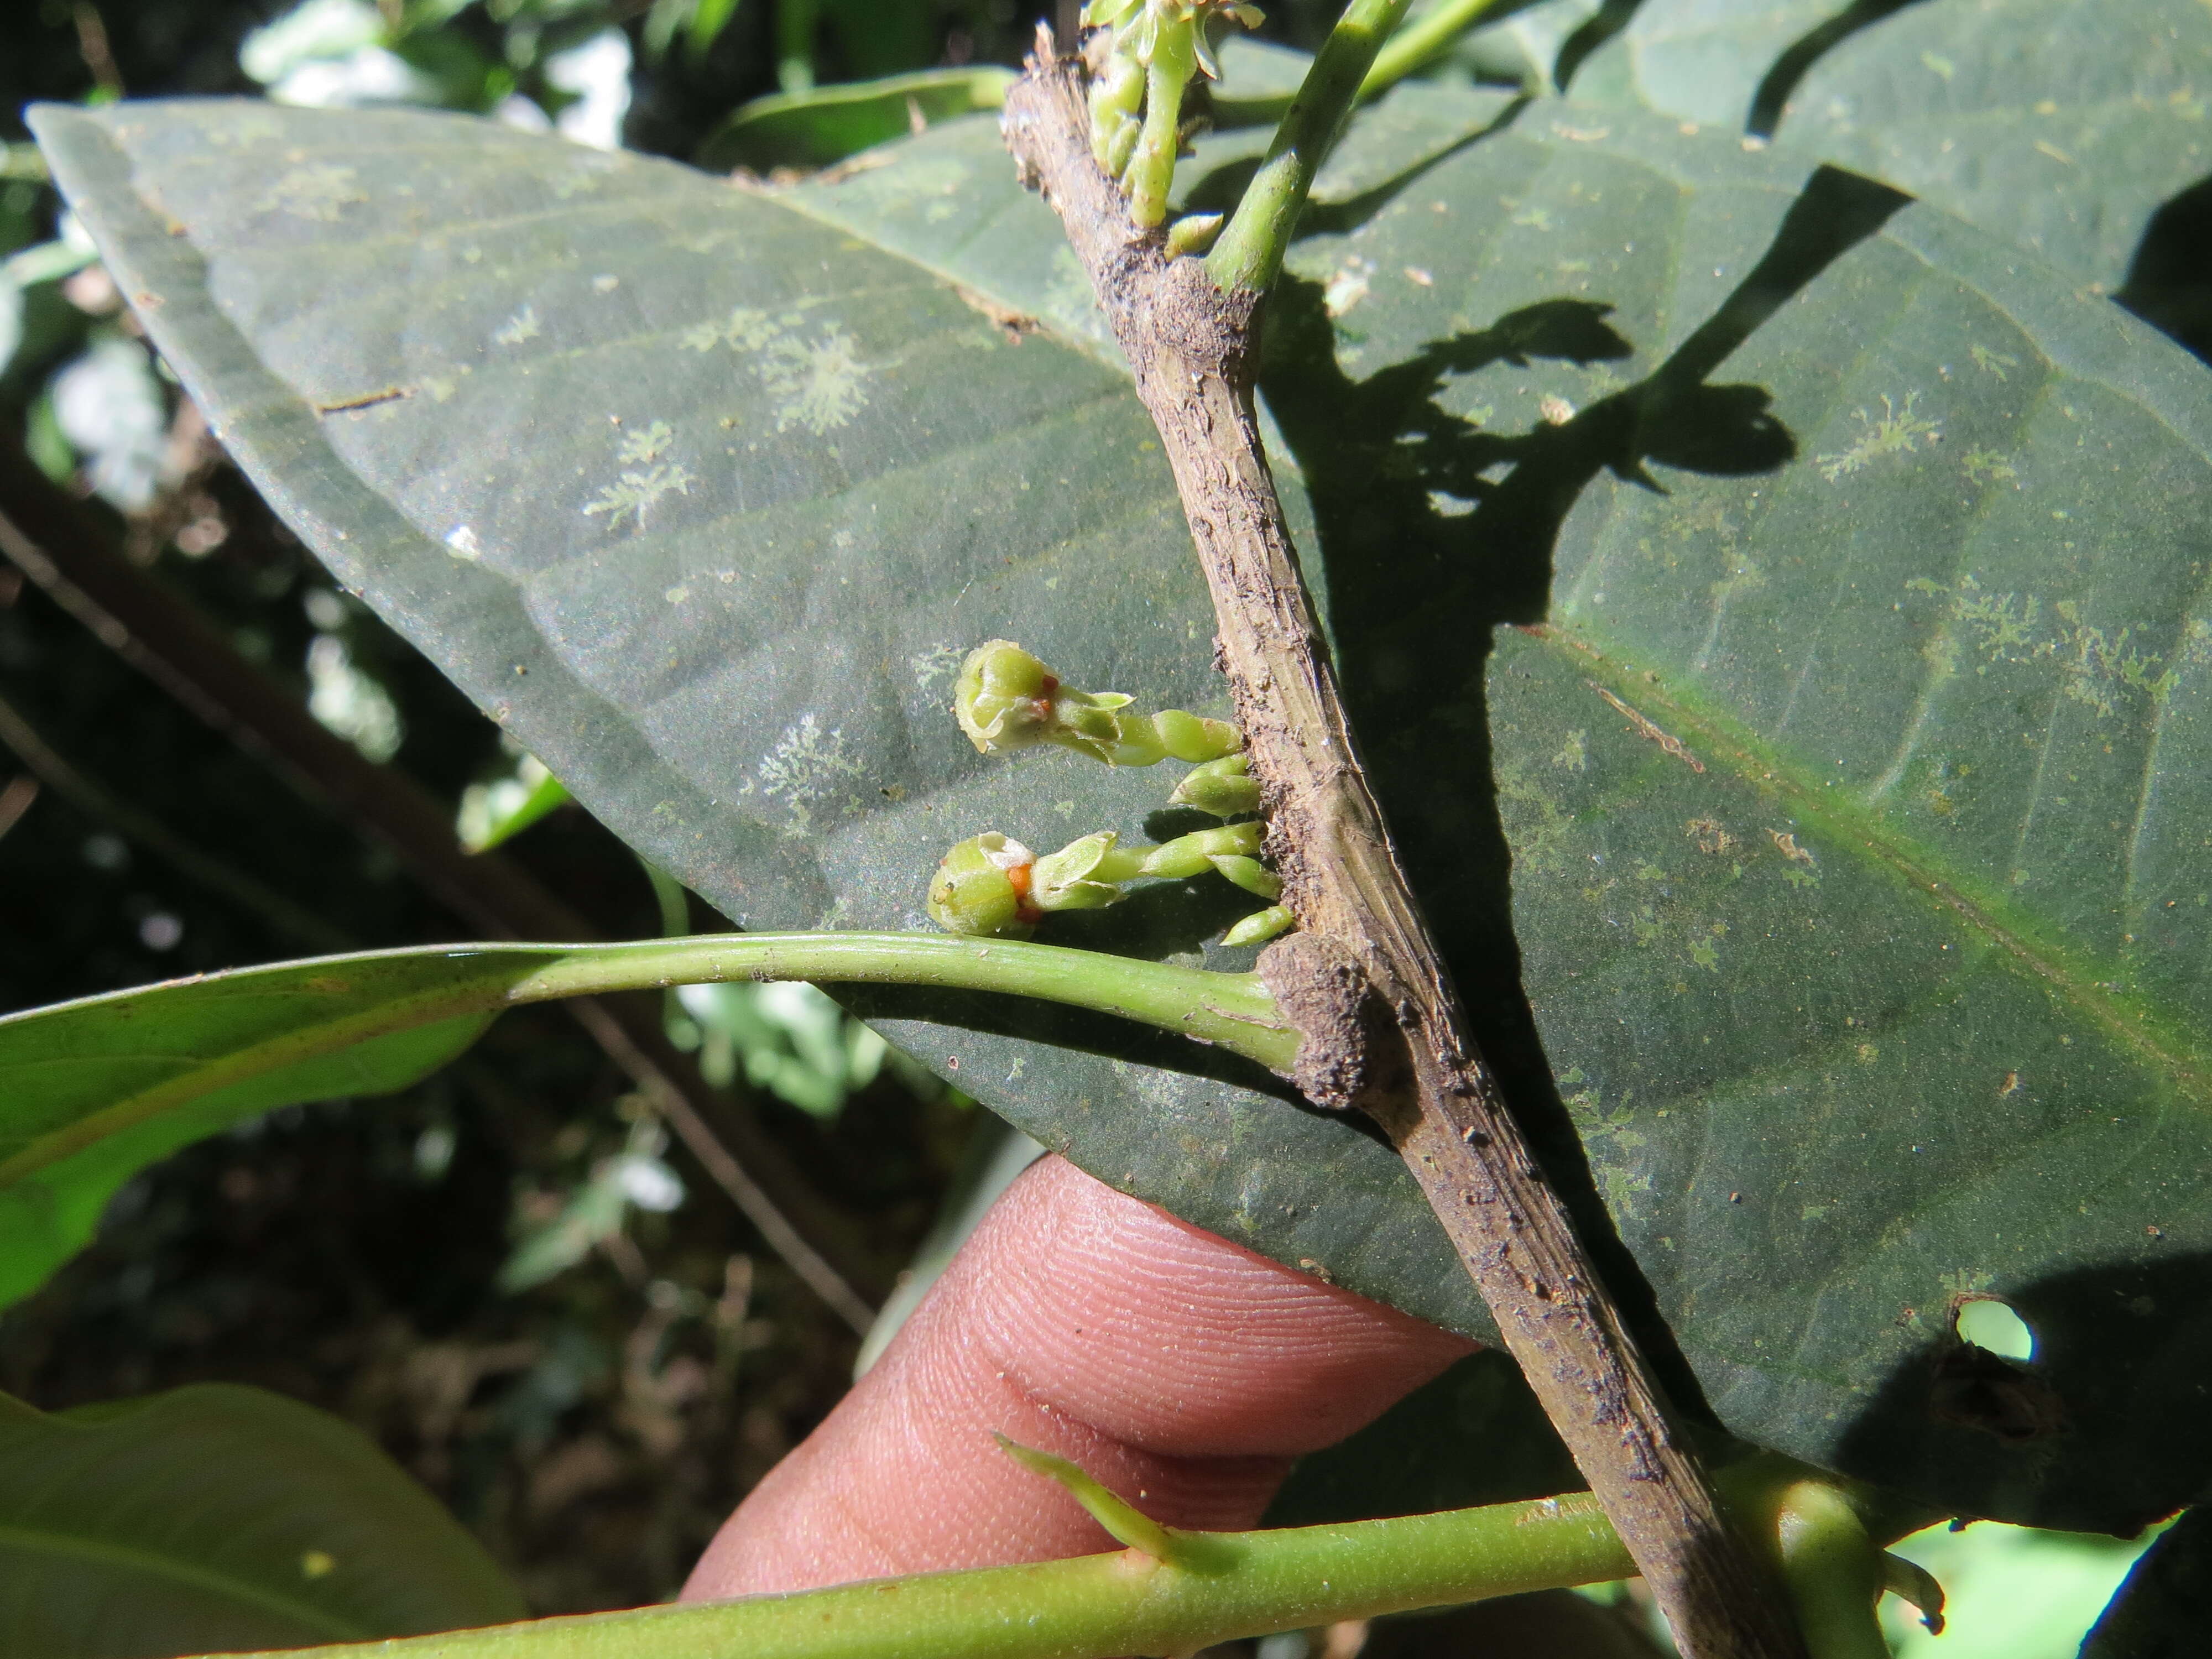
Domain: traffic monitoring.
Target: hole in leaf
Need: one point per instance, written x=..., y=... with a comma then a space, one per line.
x=1995, y=1327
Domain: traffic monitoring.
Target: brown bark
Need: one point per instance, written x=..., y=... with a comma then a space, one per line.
x=1364, y=981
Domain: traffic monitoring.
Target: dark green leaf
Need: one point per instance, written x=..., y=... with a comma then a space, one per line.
x=1475, y=1435
x=2165, y=1608
x=219, y=1518
x=812, y=129
x=2061, y=125
x=1855, y=786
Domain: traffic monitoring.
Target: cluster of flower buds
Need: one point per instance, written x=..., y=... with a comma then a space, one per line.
x=993, y=886
x=1006, y=699
x=1157, y=47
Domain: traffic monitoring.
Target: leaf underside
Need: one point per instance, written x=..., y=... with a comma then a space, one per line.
x=115, y=1542
x=1851, y=744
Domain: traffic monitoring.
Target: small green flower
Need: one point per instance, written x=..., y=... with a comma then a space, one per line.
x=994, y=886
x=1005, y=698
x=1084, y=875
x=982, y=886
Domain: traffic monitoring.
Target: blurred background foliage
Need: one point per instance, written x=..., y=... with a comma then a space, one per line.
x=509, y=1275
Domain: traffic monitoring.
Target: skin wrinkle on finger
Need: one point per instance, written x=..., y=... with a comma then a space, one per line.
x=1183, y=1371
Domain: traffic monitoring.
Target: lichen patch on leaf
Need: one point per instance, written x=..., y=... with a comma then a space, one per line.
x=816, y=384
x=1898, y=432
x=523, y=325
x=807, y=764
x=321, y=192
x=940, y=662
x=648, y=444
x=634, y=493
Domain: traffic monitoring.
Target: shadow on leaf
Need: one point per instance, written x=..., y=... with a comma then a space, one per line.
x=1434, y=530
x=2169, y=282
x=2109, y=1411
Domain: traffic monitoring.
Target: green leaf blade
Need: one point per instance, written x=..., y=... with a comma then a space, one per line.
x=1589, y=371
x=216, y=1517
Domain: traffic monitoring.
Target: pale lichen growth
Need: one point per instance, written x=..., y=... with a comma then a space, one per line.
x=650, y=444
x=634, y=493
x=806, y=768
x=816, y=384
x=321, y=192
x=523, y=325
x=743, y=329
x=2099, y=665
x=1613, y=1141
x=1989, y=466
x=1898, y=432
x=1993, y=362
x=940, y=662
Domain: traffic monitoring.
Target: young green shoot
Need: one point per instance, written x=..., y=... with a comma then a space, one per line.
x=1168, y=1591
x=1157, y=48
x=1249, y=250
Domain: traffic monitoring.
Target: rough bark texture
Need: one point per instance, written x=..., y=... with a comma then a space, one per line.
x=1420, y=1077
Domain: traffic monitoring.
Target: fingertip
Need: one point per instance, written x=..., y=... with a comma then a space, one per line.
x=1184, y=1371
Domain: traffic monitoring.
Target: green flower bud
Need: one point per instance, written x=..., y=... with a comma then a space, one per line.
x=1115, y=98
x=1194, y=855
x=1250, y=874
x=994, y=886
x=1084, y=875
x=1005, y=698
x=1261, y=926
x=1158, y=48
x=1191, y=737
x=1169, y=68
x=1223, y=787
x=1193, y=233
x=982, y=886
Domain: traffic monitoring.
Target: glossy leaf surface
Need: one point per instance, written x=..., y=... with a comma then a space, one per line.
x=2062, y=124
x=216, y=1517
x=1854, y=779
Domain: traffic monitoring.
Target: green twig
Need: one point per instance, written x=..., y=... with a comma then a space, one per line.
x=71, y=553
x=1251, y=245
x=1414, y=46
x=1235, y=1584
x=1171, y=1591
x=1834, y=1573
